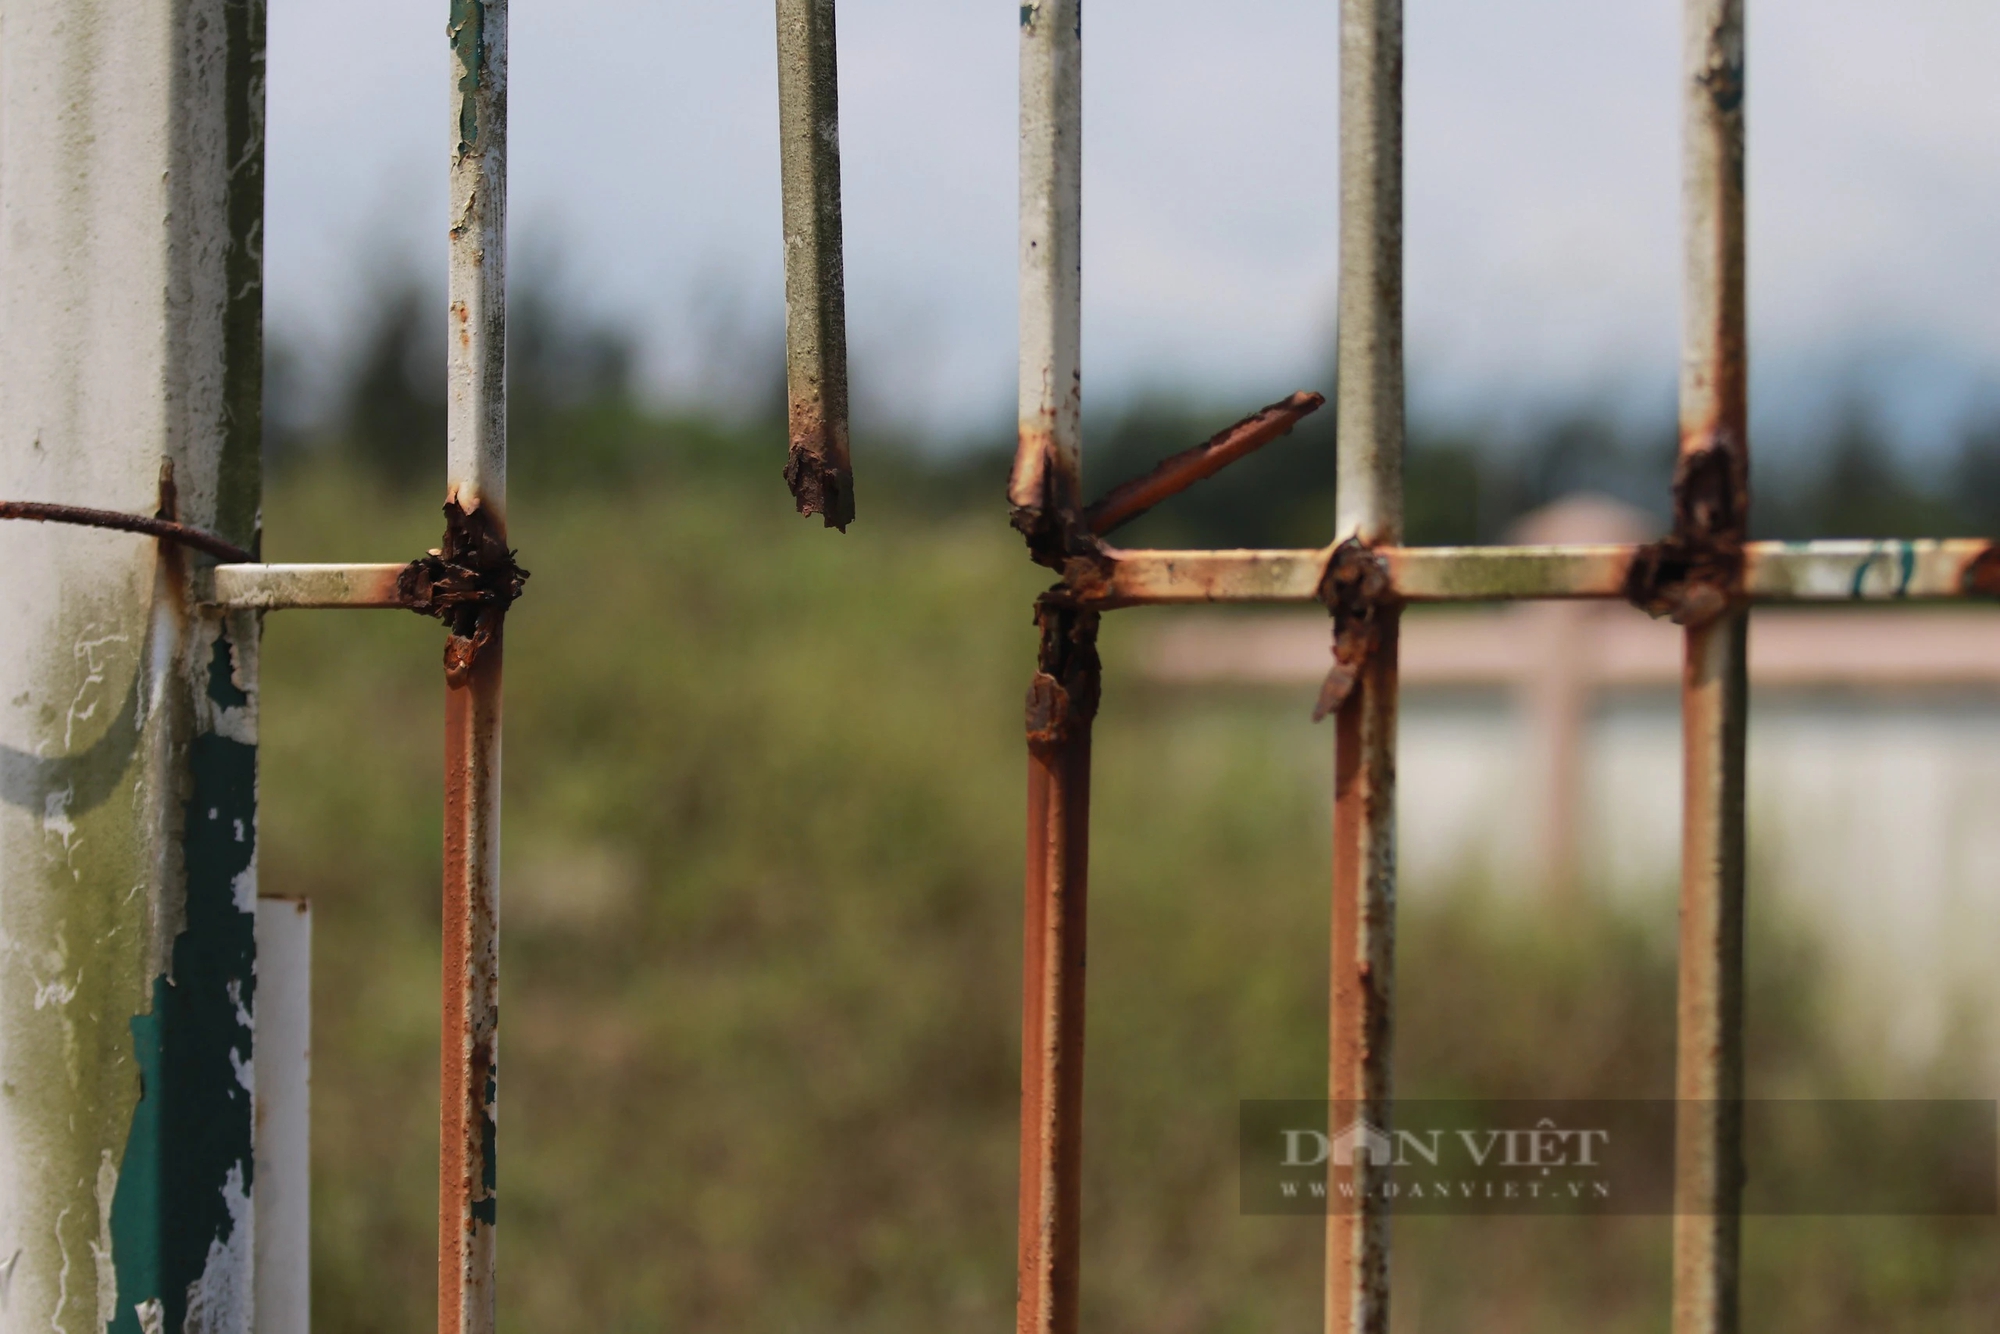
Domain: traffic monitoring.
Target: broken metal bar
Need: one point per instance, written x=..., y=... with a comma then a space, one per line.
x=283, y=587
x=1369, y=514
x=1062, y=701
x=818, y=469
x=1044, y=489
x=1711, y=507
x=476, y=459
x=1045, y=494
x=1129, y=500
x=37, y=511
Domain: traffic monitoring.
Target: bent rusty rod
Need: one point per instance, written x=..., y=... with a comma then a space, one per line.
x=1129, y=500
x=818, y=469
x=37, y=511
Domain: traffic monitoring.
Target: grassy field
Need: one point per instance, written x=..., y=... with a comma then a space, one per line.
x=761, y=961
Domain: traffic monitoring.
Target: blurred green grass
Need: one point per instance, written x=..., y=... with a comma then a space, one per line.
x=761, y=958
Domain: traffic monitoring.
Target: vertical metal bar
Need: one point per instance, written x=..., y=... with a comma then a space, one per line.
x=1714, y=444
x=477, y=481
x=818, y=469
x=283, y=1190
x=1045, y=492
x=131, y=187
x=1047, y=479
x=1061, y=705
x=1370, y=510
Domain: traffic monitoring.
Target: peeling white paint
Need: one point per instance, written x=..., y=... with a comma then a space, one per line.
x=152, y=1316
x=243, y=889
x=92, y=654
x=62, y=1275
x=57, y=992
x=219, y=1301
x=100, y=1250
x=236, y=999
x=55, y=816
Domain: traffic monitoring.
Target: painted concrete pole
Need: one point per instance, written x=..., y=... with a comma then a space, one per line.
x=131, y=207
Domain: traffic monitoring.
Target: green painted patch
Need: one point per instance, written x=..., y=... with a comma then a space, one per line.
x=468, y=43
x=192, y=1128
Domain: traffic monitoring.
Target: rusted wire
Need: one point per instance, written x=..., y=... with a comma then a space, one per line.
x=37, y=511
x=1172, y=476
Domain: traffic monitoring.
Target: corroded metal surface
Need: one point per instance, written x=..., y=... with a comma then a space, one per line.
x=1062, y=701
x=1357, y=595
x=1844, y=571
x=1129, y=500
x=186, y=535
x=1045, y=488
x=476, y=474
x=1711, y=506
x=469, y=1068
x=1118, y=578
x=468, y=583
x=1045, y=496
x=818, y=469
x=1369, y=514
x=279, y=587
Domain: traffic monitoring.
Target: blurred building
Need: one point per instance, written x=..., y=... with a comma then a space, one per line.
x=1539, y=752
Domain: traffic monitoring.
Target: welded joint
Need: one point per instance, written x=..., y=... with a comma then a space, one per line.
x=1695, y=574
x=1360, y=595
x=468, y=583
x=1062, y=698
x=1981, y=576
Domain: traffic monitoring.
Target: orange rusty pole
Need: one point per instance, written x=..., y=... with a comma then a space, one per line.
x=1045, y=492
x=1370, y=514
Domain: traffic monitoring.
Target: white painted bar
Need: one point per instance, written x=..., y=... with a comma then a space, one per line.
x=282, y=587
x=283, y=1189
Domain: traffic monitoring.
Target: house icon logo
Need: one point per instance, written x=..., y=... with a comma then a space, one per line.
x=1362, y=1140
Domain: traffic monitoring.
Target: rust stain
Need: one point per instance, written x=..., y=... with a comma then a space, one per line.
x=1357, y=590
x=1062, y=701
x=1062, y=698
x=468, y=583
x=1695, y=574
x=468, y=1073
x=818, y=469
x=1980, y=576
x=1042, y=500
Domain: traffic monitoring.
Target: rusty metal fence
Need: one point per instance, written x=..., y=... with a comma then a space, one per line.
x=1705, y=575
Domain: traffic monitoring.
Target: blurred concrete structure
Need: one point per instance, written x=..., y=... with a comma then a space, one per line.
x=1874, y=762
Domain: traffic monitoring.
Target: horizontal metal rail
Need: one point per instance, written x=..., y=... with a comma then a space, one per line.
x=285, y=587
x=1833, y=571
x=1828, y=571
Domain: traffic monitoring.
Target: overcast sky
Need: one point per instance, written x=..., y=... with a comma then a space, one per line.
x=1542, y=192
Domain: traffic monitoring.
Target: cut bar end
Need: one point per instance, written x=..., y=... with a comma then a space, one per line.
x=820, y=487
